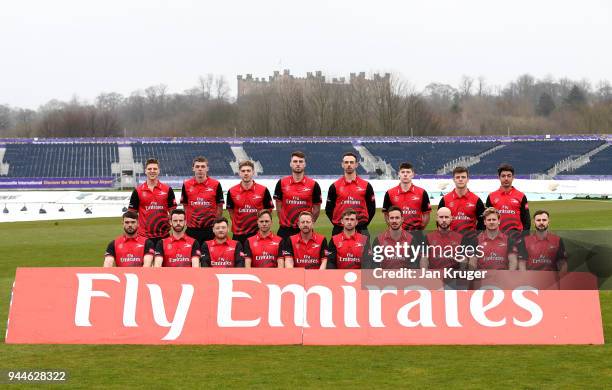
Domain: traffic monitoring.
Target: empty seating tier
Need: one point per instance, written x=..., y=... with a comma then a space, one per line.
x=322, y=158
x=61, y=160
x=175, y=159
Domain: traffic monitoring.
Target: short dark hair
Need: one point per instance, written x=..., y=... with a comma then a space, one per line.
x=460, y=170
x=394, y=208
x=405, y=165
x=151, y=161
x=298, y=154
x=505, y=167
x=263, y=212
x=541, y=212
x=220, y=220
x=177, y=212
x=246, y=163
x=350, y=154
x=199, y=159
x=130, y=214
x=304, y=213
x=348, y=211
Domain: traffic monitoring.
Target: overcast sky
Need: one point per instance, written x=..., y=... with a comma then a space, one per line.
x=61, y=48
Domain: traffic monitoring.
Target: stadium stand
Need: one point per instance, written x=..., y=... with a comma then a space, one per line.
x=176, y=158
x=532, y=157
x=600, y=164
x=322, y=158
x=60, y=160
x=426, y=157
x=535, y=156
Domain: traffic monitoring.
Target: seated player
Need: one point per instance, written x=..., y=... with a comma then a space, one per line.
x=178, y=250
x=348, y=249
x=395, y=236
x=129, y=249
x=221, y=252
x=263, y=250
x=443, y=237
x=498, y=249
x=307, y=249
x=542, y=250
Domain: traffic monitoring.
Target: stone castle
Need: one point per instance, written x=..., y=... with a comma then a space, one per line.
x=248, y=85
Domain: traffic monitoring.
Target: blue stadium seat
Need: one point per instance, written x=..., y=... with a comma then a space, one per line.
x=61, y=160
x=175, y=159
x=322, y=158
x=529, y=157
x=426, y=157
x=600, y=164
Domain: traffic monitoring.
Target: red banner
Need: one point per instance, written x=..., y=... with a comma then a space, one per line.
x=291, y=306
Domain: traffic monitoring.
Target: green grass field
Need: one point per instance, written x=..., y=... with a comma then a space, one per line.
x=82, y=243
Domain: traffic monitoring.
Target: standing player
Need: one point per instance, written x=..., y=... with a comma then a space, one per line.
x=221, y=252
x=395, y=236
x=348, y=249
x=129, y=249
x=202, y=198
x=263, y=250
x=350, y=191
x=498, y=251
x=411, y=199
x=437, y=256
x=511, y=204
x=465, y=206
x=307, y=249
x=244, y=200
x=542, y=250
x=294, y=194
x=153, y=200
x=178, y=250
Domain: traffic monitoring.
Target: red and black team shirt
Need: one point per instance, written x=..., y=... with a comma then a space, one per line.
x=357, y=194
x=264, y=252
x=542, y=254
x=383, y=240
x=227, y=254
x=306, y=254
x=177, y=252
x=441, y=257
x=348, y=252
x=129, y=252
x=513, y=209
x=296, y=196
x=495, y=251
x=153, y=208
x=201, y=201
x=466, y=211
x=414, y=203
x=246, y=204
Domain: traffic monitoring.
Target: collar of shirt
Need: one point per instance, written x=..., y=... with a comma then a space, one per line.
x=292, y=181
x=545, y=238
x=242, y=189
x=204, y=183
x=216, y=243
x=346, y=238
x=504, y=192
x=403, y=236
x=300, y=238
x=261, y=238
x=354, y=181
x=157, y=185
x=410, y=189
x=174, y=239
x=457, y=196
x=125, y=238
